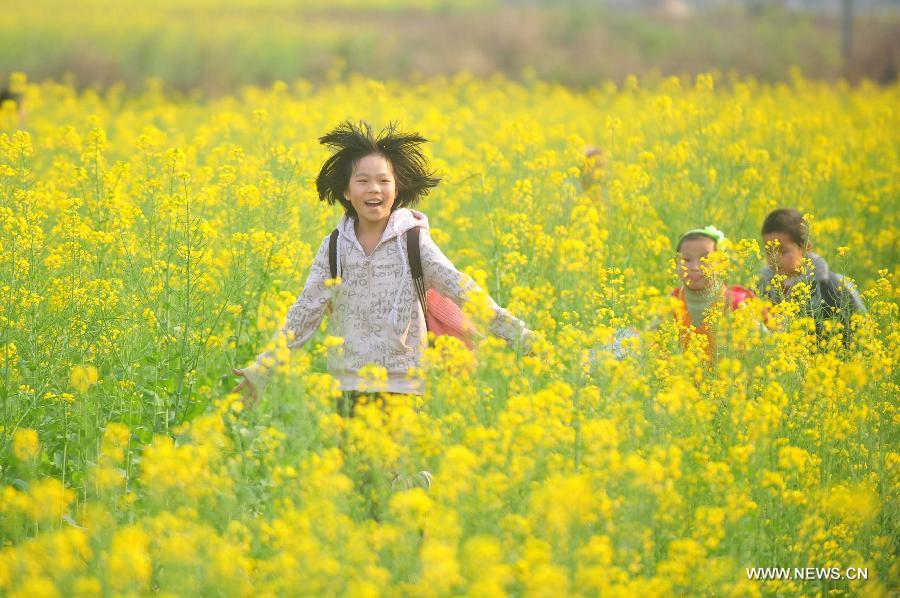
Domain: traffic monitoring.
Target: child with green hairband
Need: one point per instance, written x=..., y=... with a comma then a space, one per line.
x=702, y=290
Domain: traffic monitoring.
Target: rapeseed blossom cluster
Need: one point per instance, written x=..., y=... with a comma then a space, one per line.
x=149, y=244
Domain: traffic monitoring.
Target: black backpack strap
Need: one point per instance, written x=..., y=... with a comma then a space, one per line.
x=414, y=255
x=332, y=253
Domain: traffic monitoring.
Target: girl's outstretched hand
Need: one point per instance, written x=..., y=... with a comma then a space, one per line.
x=245, y=389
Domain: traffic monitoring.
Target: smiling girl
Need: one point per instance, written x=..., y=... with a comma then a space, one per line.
x=375, y=309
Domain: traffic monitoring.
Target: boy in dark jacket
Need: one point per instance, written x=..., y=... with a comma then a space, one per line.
x=832, y=296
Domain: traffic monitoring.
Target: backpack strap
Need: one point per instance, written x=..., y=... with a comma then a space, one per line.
x=332, y=253
x=414, y=255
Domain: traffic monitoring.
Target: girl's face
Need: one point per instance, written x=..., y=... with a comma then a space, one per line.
x=783, y=253
x=690, y=262
x=372, y=189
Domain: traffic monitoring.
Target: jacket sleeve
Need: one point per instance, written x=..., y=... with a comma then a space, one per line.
x=301, y=322
x=842, y=294
x=855, y=302
x=441, y=275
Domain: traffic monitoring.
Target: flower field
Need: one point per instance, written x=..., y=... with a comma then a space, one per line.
x=150, y=243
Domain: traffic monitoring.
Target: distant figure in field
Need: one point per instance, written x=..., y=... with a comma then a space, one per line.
x=12, y=101
x=594, y=168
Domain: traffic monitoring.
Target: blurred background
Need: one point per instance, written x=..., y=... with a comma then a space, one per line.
x=214, y=46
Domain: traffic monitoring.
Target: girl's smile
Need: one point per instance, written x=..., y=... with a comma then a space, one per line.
x=371, y=191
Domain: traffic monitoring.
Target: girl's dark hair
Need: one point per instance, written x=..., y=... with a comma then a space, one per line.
x=353, y=142
x=790, y=222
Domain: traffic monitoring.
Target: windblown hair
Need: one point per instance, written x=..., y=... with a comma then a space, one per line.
x=790, y=222
x=353, y=142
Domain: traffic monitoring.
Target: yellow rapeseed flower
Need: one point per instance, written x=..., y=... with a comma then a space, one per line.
x=83, y=377
x=26, y=446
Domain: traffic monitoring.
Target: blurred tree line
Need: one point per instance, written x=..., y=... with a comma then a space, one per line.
x=215, y=47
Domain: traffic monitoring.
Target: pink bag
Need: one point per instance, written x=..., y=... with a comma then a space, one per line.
x=444, y=317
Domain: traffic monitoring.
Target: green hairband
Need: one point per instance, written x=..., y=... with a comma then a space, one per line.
x=707, y=231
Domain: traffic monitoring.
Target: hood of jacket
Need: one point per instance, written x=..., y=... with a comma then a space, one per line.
x=400, y=221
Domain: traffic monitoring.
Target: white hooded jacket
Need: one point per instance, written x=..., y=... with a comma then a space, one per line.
x=375, y=308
